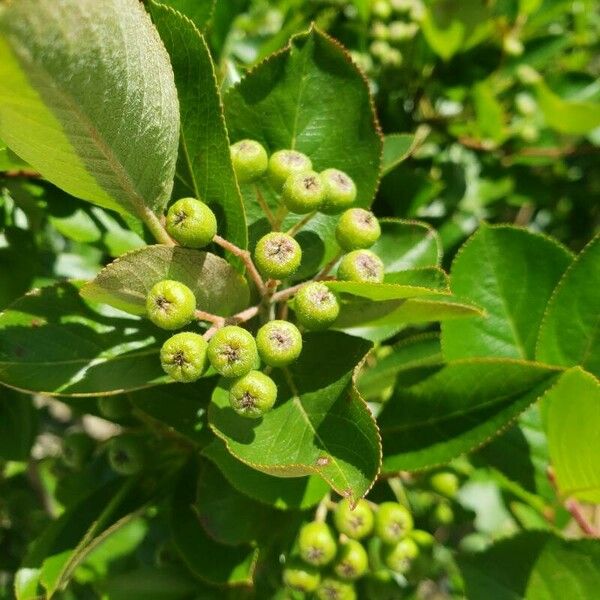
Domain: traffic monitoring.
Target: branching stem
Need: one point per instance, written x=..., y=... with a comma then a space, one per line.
x=245, y=256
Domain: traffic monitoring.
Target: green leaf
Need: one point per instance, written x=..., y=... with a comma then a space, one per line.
x=397, y=147
x=198, y=11
x=312, y=98
x=18, y=425
x=204, y=168
x=489, y=111
x=319, y=425
x=457, y=409
x=533, y=566
x=510, y=273
x=282, y=493
x=9, y=161
x=126, y=282
x=112, y=139
x=572, y=418
x=53, y=342
x=570, y=331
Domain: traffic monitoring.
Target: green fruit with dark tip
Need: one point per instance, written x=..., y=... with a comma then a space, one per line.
x=303, y=192
x=279, y=343
x=77, y=449
x=277, y=255
x=316, y=544
x=340, y=191
x=126, y=454
x=316, y=306
x=445, y=483
x=170, y=304
x=250, y=160
x=356, y=523
x=352, y=561
x=191, y=223
x=232, y=351
x=392, y=522
x=332, y=588
x=284, y=163
x=357, y=229
x=114, y=408
x=301, y=577
x=398, y=557
x=253, y=394
x=183, y=356
x=361, y=266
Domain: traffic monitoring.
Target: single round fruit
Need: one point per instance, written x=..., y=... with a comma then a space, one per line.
x=340, y=191
x=277, y=255
x=357, y=523
x=126, y=454
x=357, y=228
x=170, y=304
x=191, y=223
x=301, y=577
x=352, y=561
x=253, y=394
x=279, y=343
x=232, y=351
x=445, y=483
x=332, y=588
x=114, y=408
x=316, y=544
x=399, y=556
x=442, y=514
x=303, y=192
x=250, y=160
x=362, y=266
x=381, y=9
x=392, y=522
x=316, y=306
x=77, y=449
x=422, y=538
x=284, y=163
x=183, y=356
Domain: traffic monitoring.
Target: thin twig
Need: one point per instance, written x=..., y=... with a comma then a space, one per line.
x=265, y=207
x=280, y=217
x=244, y=316
x=300, y=224
x=578, y=514
x=156, y=227
x=209, y=317
x=322, y=509
x=210, y=332
x=246, y=258
x=286, y=294
x=327, y=268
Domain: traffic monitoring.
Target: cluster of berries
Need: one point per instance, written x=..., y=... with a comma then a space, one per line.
x=391, y=540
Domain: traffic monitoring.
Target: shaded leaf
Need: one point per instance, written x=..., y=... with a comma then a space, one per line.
x=18, y=425
x=397, y=147
x=198, y=11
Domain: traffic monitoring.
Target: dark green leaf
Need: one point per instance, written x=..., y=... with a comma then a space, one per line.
x=18, y=425
x=397, y=147
x=198, y=11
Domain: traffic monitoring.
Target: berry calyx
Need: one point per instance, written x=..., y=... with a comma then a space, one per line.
x=303, y=192
x=316, y=306
x=279, y=343
x=183, y=356
x=284, y=163
x=357, y=523
x=357, y=229
x=232, y=351
x=399, y=556
x=126, y=454
x=301, y=577
x=277, y=255
x=362, y=266
x=332, y=588
x=253, y=394
x=77, y=449
x=352, y=561
x=316, y=544
x=250, y=160
x=170, y=304
x=191, y=223
x=340, y=191
x=444, y=483
x=392, y=522
x=114, y=408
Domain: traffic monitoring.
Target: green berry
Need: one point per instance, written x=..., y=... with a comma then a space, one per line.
x=114, y=408
x=284, y=163
x=392, y=522
x=232, y=351
x=279, y=343
x=340, y=191
x=332, y=588
x=357, y=228
x=356, y=523
x=126, y=454
x=77, y=449
x=442, y=514
x=352, y=561
x=398, y=557
x=253, y=394
x=301, y=577
x=422, y=538
x=316, y=306
x=277, y=255
x=303, y=192
x=250, y=160
x=444, y=483
x=362, y=266
x=183, y=356
x=170, y=304
x=316, y=544
x=381, y=9
x=191, y=223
